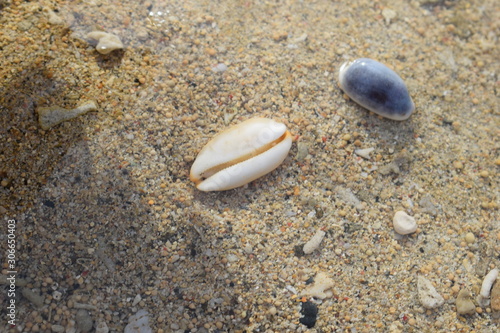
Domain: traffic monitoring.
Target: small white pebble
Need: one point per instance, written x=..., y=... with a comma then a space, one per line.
x=219, y=68
x=232, y=258
x=404, y=224
x=314, y=242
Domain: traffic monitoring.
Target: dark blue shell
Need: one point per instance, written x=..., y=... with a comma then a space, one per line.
x=377, y=88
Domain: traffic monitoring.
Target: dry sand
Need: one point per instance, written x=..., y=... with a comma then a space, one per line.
x=108, y=222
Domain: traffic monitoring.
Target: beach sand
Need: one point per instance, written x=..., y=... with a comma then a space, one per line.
x=107, y=222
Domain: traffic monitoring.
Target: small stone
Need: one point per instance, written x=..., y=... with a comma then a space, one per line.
x=84, y=322
x=248, y=249
x=279, y=36
x=458, y=165
x=470, y=238
x=211, y=51
x=137, y=299
x=427, y=205
x=24, y=25
x=54, y=115
x=219, y=68
x=348, y=196
x=57, y=328
x=495, y=297
x=465, y=305
x=35, y=299
x=101, y=326
x=347, y=137
x=404, y=224
x=232, y=257
x=106, y=42
x=138, y=323
x=427, y=294
x=273, y=310
x=302, y=150
x=309, y=312
x=54, y=18
x=388, y=14
x=484, y=174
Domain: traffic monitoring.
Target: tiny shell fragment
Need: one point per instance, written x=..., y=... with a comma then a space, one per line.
x=364, y=153
x=106, y=42
x=377, y=88
x=427, y=294
x=54, y=115
x=483, y=299
x=314, y=242
x=320, y=287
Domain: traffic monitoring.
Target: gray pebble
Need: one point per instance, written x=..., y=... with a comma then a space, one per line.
x=302, y=150
x=83, y=321
x=57, y=328
x=34, y=298
x=139, y=323
x=101, y=326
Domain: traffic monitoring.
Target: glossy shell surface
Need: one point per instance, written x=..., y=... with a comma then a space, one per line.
x=241, y=154
x=377, y=88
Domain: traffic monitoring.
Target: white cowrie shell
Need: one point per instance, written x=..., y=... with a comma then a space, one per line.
x=241, y=154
